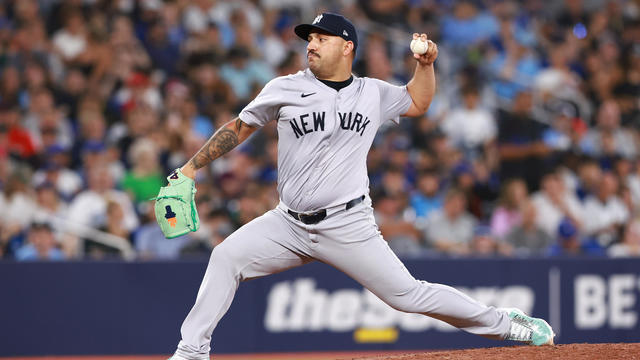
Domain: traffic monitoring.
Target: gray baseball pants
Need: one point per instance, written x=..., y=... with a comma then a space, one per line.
x=350, y=241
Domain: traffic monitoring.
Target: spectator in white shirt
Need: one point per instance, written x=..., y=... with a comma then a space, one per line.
x=17, y=204
x=89, y=207
x=609, y=132
x=633, y=183
x=450, y=229
x=71, y=41
x=630, y=244
x=553, y=203
x=604, y=212
x=470, y=126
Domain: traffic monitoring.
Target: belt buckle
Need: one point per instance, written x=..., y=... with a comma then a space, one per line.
x=303, y=219
x=306, y=217
x=312, y=218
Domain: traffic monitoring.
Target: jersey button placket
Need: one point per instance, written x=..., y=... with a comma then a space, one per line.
x=324, y=145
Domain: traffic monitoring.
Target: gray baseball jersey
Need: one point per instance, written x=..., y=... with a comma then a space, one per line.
x=323, y=139
x=324, y=135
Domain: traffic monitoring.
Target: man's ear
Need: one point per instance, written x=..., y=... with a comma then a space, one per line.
x=348, y=47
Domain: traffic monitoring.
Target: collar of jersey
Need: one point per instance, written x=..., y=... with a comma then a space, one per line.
x=325, y=86
x=338, y=85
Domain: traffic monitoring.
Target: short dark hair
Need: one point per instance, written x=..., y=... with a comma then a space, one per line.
x=454, y=192
x=41, y=225
x=470, y=89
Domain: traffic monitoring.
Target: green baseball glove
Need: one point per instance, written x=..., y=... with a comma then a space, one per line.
x=176, y=207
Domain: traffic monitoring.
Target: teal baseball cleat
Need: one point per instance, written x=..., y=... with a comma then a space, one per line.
x=533, y=331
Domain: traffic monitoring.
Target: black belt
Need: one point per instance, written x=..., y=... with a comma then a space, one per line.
x=316, y=217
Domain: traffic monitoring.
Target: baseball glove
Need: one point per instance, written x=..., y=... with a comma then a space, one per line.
x=176, y=207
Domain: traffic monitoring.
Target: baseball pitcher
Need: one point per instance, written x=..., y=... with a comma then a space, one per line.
x=326, y=119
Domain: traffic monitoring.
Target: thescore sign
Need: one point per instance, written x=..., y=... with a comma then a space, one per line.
x=299, y=305
x=311, y=308
x=585, y=300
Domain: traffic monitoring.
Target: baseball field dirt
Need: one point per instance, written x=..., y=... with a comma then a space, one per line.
x=569, y=351
x=626, y=351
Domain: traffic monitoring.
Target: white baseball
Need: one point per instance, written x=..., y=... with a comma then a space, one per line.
x=418, y=46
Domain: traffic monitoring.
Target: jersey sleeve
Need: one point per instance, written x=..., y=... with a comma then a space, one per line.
x=394, y=100
x=264, y=107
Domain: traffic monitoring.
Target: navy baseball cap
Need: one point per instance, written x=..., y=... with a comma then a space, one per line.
x=566, y=229
x=334, y=24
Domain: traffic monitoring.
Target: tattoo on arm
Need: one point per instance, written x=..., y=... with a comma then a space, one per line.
x=223, y=141
x=238, y=125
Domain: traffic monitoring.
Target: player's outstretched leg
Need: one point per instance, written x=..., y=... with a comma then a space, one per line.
x=256, y=249
x=372, y=263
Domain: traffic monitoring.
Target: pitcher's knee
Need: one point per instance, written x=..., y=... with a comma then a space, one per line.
x=223, y=256
x=403, y=303
x=230, y=259
x=412, y=300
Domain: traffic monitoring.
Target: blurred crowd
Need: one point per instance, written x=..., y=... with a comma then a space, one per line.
x=531, y=146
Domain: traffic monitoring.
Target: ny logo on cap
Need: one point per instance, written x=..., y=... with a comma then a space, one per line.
x=317, y=19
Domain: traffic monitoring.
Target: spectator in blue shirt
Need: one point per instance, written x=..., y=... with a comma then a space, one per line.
x=41, y=245
x=427, y=196
x=513, y=70
x=242, y=72
x=468, y=26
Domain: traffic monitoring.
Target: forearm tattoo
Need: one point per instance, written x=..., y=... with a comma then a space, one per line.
x=238, y=125
x=223, y=141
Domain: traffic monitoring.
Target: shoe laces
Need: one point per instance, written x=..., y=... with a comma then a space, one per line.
x=521, y=329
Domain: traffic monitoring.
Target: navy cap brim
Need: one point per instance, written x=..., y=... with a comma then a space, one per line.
x=303, y=30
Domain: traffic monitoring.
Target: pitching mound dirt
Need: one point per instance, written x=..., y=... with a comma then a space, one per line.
x=569, y=351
